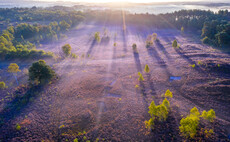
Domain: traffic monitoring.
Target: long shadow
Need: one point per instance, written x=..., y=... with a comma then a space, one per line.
x=124, y=41
x=156, y=57
x=161, y=47
x=153, y=91
x=137, y=61
x=190, y=61
x=14, y=108
x=91, y=47
x=105, y=40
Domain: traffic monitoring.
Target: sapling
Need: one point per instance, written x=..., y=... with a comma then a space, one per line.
x=140, y=77
x=97, y=37
x=174, y=44
x=14, y=68
x=66, y=49
x=2, y=85
x=210, y=115
x=168, y=94
x=147, y=69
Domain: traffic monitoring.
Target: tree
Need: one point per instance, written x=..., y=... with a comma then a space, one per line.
x=168, y=94
x=64, y=26
x=210, y=115
x=40, y=73
x=66, y=49
x=2, y=85
x=14, y=68
x=97, y=37
x=154, y=36
x=140, y=77
x=174, y=44
x=134, y=47
x=147, y=69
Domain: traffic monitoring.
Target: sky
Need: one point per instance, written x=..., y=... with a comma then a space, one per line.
x=134, y=1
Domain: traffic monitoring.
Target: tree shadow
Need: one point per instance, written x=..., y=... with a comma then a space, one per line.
x=156, y=57
x=91, y=47
x=15, y=107
x=161, y=47
x=190, y=61
x=153, y=91
x=124, y=34
x=137, y=61
x=105, y=40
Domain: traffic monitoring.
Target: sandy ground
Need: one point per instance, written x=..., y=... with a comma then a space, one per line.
x=96, y=97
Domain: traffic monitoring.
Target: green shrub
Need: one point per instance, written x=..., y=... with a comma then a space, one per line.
x=168, y=94
x=174, y=44
x=210, y=115
x=140, y=77
x=75, y=140
x=154, y=36
x=73, y=55
x=66, y=49
x=188, y=126
x=147, y=69
x=207, y=40
x=18, y=127
x=97, y=37
x=40, y=73
x=134, y=48
x=159, y=113
x=115, y=44
x=182, y=29
x=2, y=85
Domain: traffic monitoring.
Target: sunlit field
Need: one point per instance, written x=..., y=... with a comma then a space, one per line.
x=79, y=71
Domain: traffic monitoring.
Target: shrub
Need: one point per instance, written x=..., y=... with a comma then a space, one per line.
x=149, y=41
x=210, y=115
x=193, y=65
x=66, y=49
x=159, y=113
x=168, y=94
x=97, y=37
x=134, y=47
x=13, y=68
x=75, y=140
x=40, y=73
x=207, y=40
x=147, y=69
x=18, y=127
x=174, y=44
x=188, y=126
x=115, y=44
x=182, y=29
x=73, y=55
x=2, y=85
x=154, y=36
x=140, y=77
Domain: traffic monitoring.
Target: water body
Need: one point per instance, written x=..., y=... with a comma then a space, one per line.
x=138, y=8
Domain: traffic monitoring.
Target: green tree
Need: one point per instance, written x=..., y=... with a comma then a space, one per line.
x=2, y=85
x=40, y=73
x=64, y=26
x=210, y=115
x=66, y=49
x=97, y=37
x=140, y=77
x=147, y=69
x=168, y=94
x=174, y=44
x=14, y=68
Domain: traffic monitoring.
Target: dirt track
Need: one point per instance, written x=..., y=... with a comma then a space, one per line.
x=97, y=93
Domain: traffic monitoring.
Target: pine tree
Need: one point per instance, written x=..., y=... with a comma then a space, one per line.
x=147, y=69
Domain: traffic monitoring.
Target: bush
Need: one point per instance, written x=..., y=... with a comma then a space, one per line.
x=207, y=40
x=159, y=113
x=97, y=37
x=66, y=49
x=134, y=48
x=147, y=69
x=74, y=56
x=2, y=85
x=168, y=94
x=149, y=41
x=210, y=115
x=188, y=126
x=40, y=73
x=174, y=44
x=140, y=77
x=154, y=36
